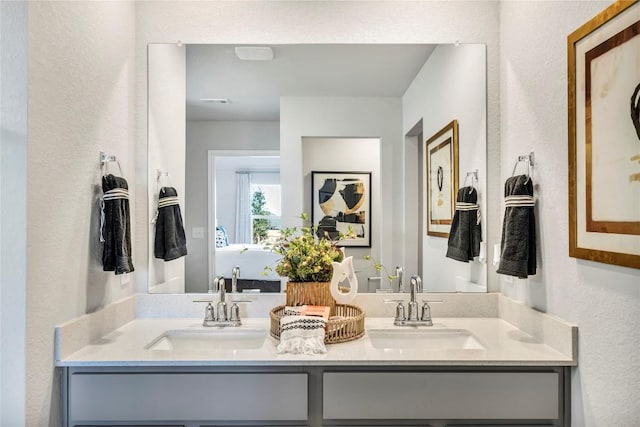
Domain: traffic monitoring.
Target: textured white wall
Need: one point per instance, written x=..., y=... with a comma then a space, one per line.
x=603, y=300
x=13, y=210
x=201, y=137
x=167, y=142
x=81, y=101
x=80, y=64
x=451, y=85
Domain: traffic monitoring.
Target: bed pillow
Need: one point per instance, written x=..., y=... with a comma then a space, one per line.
x=221, y=237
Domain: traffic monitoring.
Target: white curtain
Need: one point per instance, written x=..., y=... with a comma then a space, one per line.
x=243, y=207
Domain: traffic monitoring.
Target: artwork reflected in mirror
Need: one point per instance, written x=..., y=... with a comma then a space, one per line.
x=442, y=179
x=341, y=206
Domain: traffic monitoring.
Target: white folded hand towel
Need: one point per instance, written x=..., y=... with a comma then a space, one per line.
x=302, y=335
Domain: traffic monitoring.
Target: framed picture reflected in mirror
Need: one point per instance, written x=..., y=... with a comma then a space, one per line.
x=442, y=179
x=341, y=204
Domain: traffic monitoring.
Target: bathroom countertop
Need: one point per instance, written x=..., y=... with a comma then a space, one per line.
x=505, y=345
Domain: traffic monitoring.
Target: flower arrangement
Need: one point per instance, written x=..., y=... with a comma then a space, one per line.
x=306, y=257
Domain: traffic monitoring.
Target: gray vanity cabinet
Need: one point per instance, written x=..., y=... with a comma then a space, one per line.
x=316, y=396
x=440, y=395
x=189, y=397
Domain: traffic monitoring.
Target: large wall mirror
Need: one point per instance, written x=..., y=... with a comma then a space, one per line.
x=239, y=133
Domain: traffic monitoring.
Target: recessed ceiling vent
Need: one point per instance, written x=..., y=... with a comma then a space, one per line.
x=216, y=100
x=254, y=53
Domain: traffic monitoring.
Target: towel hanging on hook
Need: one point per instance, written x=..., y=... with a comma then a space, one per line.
x=161, y=190
x=170, y=240
x=518, y=243
x=115, y=223
x=466, y=232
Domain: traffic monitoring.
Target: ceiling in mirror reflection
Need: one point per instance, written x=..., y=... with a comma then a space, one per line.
x=254, y=88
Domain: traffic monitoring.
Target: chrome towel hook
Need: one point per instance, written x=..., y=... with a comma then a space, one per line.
x=159, y=175
x=105, y=160
x=529, y=159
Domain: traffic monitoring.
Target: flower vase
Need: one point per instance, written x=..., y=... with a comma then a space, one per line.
x=311, y=293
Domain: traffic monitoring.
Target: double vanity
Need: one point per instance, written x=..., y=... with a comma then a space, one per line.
x=487, y=360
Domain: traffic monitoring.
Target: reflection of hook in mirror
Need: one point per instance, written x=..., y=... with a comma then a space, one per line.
x=163, y=180
x=474, y=180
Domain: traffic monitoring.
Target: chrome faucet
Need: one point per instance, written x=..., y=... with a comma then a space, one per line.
x=221, y=307
x=400, y=274
x=220, y=316
x=412, y=305
x=412, y=318
x=235, y=273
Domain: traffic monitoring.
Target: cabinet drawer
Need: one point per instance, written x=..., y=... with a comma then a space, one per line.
x=187, y=396
x=441, y=395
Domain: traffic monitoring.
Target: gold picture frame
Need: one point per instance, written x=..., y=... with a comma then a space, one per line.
x=604, y=139
x=442, y=179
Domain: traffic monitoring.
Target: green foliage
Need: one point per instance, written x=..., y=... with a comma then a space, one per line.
x=306, y=258
x=260, y=225
x=379, y=267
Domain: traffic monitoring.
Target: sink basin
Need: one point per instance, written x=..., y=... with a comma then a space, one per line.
x=423, y=338
x=209, y=340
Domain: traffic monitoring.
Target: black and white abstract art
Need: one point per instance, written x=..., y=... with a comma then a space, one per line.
x=341, y=203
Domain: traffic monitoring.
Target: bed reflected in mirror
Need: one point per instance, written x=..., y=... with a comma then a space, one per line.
x=245, y=200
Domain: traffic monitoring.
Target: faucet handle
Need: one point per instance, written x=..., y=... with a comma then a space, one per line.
x=400, y=313
x=234, y=316
x=209, y=313
x=426, y=314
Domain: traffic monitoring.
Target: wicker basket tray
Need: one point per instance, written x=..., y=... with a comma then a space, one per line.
x=347, y=328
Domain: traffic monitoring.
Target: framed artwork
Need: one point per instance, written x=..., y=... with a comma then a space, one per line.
x=342, y=201
x=604, y=137
x=442, y=179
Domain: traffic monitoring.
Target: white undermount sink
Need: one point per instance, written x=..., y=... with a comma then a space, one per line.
x=209, y=339
x=423, y=338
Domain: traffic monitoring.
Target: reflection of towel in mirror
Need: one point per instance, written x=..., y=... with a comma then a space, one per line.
x=465, y=235
x=170, y=240
x=301, y=334
x=518, y=246
x=116, y=225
